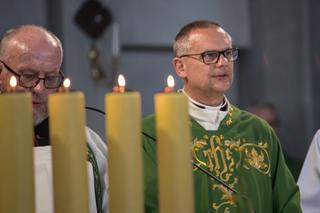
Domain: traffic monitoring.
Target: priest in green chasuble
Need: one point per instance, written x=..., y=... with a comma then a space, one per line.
x=238, y=161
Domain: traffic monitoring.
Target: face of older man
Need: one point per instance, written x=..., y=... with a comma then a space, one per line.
x=32, y=52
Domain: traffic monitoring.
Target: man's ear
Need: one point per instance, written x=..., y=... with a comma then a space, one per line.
x=1, y=85
x=179, y=67
x=1, y=67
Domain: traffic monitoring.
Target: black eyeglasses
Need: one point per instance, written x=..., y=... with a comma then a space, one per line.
x=30, y=80
x=212, y=57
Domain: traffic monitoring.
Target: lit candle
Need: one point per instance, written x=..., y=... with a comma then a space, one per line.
x=16, y=153
x=173, y=153
x=13, y=83
x=121, y=84
x=123, y=128
x=65, y=85
x=170, y=84
x=69, y=152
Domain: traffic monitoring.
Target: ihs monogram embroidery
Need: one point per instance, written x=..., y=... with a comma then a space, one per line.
x=222, y=157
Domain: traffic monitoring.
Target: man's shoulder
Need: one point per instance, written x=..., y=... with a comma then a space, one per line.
x=244, y=115
x=246, y=119
x=316, y=137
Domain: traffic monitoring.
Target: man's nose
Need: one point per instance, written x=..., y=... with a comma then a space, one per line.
x=39, y=86
x=222, y=60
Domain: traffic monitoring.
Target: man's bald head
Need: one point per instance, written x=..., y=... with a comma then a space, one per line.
x=28, y=36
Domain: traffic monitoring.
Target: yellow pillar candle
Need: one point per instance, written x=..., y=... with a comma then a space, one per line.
x=69, y=152
x=123, y=132
x=173, y=153
x=16, y=154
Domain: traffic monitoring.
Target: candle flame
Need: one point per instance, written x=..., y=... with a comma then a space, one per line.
x=66, y=83
x=170, y=81
x=13, y=81
x=121, y=81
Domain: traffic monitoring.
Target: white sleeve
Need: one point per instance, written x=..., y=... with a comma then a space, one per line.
x=100, y=151
x=309, y=179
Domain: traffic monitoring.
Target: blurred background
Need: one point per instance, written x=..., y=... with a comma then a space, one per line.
x=279, y=45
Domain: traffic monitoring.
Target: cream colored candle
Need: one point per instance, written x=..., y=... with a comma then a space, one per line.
x=16, y=154
x=69, y=152
x=123, y=132
x=174, y=154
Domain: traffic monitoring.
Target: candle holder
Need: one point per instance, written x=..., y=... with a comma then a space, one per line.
x=93, y=18
x=97, y=71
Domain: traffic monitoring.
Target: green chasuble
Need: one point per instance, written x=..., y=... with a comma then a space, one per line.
x=244, y=153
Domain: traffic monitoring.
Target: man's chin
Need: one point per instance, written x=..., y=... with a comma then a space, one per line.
x=222, y=87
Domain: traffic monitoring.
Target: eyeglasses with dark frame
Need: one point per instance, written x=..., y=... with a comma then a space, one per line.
x=30, y=81
x=212, y=57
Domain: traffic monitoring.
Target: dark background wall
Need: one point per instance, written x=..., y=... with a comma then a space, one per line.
x=279, y=61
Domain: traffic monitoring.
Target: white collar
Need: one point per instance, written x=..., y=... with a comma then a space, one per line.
x=209, y=117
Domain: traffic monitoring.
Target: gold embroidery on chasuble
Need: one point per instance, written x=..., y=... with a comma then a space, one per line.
x=256, y=156
x=230, y=113
x=222, y=158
